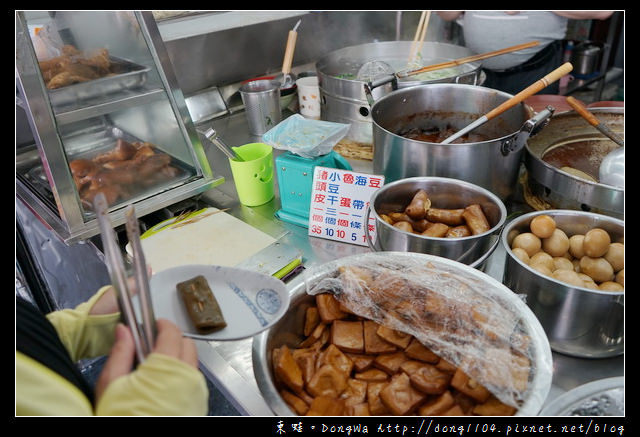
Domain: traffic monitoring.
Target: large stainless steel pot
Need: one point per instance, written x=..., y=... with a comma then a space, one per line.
x=444, y=193
x=578, y=321
x=562, y=190
x=288, y=330
x=343, y=97
x=493, y=164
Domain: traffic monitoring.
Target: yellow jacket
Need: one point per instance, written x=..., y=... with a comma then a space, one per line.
x=161, y=386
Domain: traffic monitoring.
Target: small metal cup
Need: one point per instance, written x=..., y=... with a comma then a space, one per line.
x=261, y=99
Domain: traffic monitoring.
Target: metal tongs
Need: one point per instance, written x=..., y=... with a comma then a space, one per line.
x=144, y=334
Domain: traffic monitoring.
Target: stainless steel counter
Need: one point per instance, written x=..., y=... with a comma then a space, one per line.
x=229, y=364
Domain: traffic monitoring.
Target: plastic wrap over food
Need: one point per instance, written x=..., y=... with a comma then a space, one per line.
x=305, y=137
x=461, y=314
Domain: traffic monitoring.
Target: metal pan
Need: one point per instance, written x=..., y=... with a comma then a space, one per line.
x=128, y=75
x=561, y=190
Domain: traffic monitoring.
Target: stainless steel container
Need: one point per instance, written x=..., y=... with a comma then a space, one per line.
x=493, y=164
x=578, y=321
x=289, y=329
x=444, y=193
x=562, y=190
x=343, y=98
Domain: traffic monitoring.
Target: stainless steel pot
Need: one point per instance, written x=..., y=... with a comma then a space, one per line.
x=562, y=190
x=444, y=193
x=343, y=97
x=578, y=321
x=288, y=330
x=493, y=164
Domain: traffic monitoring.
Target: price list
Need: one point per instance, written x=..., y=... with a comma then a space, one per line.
x=339, y=203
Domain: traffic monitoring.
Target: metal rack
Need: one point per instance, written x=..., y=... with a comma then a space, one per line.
x=140, y=102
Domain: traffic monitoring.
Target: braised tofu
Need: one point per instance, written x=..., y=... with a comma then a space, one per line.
x=361, y=362
x=288, y=370
x=327, y=381
x=334, y=356
x=372, y=375
x=306, y=360
x=311, y=320
x=397, y=338
x=329, y=308
x=376, y=407
x=355, y=393
x=357, y=410
x=373, y=343
x=326, y=406
x=428, y=379
x=400, y=397
x=493, y=407
x=437, y=405
x=469, y=386
x=390, y=363
x=348, y=336
x=319, y=334
x=418, y=351
x=296, y=403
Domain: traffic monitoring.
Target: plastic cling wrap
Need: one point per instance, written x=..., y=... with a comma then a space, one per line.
x=304, y=137
x=461, y=314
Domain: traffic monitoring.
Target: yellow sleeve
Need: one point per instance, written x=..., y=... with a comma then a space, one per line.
x=161, y=386
x=84, y=335
x=42, y=392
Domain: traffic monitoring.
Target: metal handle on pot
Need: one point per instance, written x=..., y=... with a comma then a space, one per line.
x=371, y=85
x=530, y=128
x=366, y=230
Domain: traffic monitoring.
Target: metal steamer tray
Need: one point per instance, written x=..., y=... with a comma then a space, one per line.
x=86, y=144
x=125, y=75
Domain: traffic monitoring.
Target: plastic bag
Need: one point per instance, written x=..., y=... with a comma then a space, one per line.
x=304, y=137
x=466, y=320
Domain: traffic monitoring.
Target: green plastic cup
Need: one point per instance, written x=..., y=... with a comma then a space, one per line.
x=253, y=176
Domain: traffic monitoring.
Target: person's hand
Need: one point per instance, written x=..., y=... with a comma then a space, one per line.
x=169, y=341
x=108, y=302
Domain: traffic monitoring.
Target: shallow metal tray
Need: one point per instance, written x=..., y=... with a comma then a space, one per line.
x=128, y=75
x=604, y=397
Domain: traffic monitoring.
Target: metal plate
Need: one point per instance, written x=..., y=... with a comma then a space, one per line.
x=604, y=397
x=129, y=75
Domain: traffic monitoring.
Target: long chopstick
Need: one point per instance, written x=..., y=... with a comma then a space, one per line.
x=467, y=59
x=142, y=280
x=115, y=266
x=421, y=32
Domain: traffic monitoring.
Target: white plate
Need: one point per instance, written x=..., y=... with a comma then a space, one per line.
x=250, y=301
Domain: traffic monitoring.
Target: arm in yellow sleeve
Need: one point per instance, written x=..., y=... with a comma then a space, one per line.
x=84, y=335
x=161, y=386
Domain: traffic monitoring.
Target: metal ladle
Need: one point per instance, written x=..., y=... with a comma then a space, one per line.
x=611, y=171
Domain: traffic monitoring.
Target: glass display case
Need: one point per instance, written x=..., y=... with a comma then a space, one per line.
x=105, y=114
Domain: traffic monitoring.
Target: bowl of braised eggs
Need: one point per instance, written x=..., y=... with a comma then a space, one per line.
x=569, y=266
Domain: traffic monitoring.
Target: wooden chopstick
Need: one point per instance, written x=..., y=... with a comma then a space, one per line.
x=418, y=36
x=423, y=34
x=468, y=59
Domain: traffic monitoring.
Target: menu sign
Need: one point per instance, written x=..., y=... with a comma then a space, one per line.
x=339, y=203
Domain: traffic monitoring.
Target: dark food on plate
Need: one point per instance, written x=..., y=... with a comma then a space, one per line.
x=74, y=66
x=201, y=304
x=420, y=217
x=437, y=135
x=121, y=172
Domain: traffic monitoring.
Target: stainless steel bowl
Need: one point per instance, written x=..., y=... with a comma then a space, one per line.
x=578, y=321
x=444, y=193
x=289, y=329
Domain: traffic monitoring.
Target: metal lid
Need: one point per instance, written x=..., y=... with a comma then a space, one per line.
x=604, y=397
